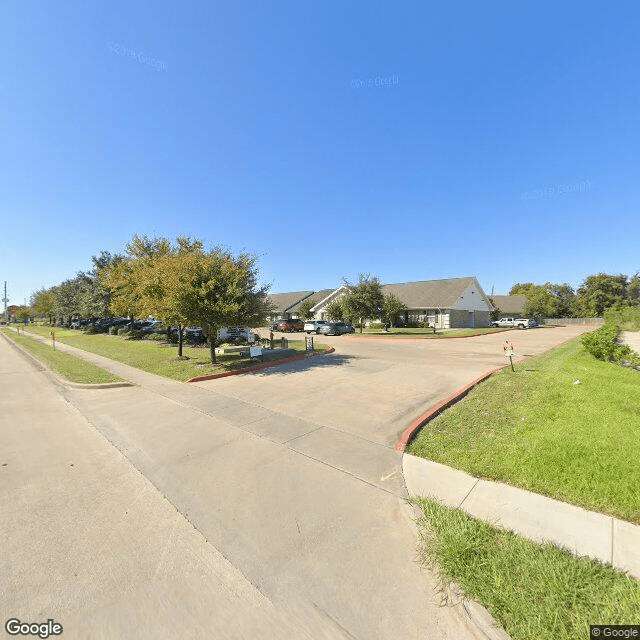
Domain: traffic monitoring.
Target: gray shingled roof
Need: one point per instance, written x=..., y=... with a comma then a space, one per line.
x=513, y=305
x=284, y=302
x=429, y=294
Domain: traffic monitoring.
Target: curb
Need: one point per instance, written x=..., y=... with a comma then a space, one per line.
x=57, y=378
x=409, y=433
x=258, y=367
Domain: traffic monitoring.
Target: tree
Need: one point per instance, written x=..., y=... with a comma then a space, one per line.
x=335, y=311
x=520, y=288
x=365, y=300
x=540, y=303
x=223, y=290
x=154, y=279
x=23, y=314
x=633, y=290
x=600, y=292
x=565, y=298
x=391, y=308
x=548, y=300
x=495, y=313
x=42, y=303
x=305, y=309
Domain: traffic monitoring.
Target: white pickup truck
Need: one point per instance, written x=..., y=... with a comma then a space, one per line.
x=520, y=323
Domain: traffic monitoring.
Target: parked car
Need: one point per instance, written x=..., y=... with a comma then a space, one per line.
x=520, y=323
x=291, y=325
x=153, y=326
x=273, y=326
x=336, y=329
x=313, y=326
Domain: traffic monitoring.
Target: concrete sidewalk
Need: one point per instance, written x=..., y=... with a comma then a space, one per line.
x=311, y=518
x=533, y=516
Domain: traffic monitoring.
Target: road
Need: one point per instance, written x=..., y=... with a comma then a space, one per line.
x=273, y=500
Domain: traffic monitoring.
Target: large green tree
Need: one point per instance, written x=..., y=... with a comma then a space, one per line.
x=223, y=291
x=392, y=307
x=305, y=309
x=546, y=300
x=335, y=311
x=364, y=300
x=601, y=291
x=42, y=303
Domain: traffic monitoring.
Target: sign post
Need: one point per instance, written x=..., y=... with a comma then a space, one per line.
x=508, y=352
x=53, y=339
x=309, y=343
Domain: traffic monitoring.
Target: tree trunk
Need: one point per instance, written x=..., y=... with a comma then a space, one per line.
x=179, y=340
x=213, y=339
x=360, y=325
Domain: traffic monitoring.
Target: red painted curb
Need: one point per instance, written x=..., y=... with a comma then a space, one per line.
x=408, y=433
x=257, y=367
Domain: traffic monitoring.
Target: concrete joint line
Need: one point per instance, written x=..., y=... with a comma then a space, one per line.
x=348, y=473
x=302, y=435
x=475, y=484
x=612, y=534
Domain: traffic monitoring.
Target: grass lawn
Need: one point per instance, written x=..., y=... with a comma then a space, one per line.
x=155, y=357
x=428, y=333
x=536, y=429
x=68, y=366
x=533, y=591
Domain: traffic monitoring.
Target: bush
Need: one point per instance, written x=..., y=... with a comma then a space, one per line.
x=124, y=331
x=136, y=334
x=92, y=329
x=376, y=325
x=603, y=345
x=113, y=331
x=423, y=325
x=627, y=318
x=157, y=337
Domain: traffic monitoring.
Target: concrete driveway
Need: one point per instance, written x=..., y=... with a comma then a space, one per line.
x=288, y=476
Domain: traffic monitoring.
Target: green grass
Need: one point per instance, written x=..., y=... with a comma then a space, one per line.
x=533, y=591
x=428, y=333
x=535, y=429
x=68, y=366
x=155, y=357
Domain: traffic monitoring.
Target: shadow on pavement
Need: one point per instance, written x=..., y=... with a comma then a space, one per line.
x=315, y=362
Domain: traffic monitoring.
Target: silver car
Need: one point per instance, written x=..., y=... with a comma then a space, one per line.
x=336, y=329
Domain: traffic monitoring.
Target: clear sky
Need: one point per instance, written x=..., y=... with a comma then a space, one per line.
x=407, y=139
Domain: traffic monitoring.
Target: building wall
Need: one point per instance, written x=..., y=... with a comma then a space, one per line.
x=464, y=318
x=472, y=299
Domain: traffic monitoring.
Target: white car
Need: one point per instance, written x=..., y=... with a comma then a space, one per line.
x=313, y=326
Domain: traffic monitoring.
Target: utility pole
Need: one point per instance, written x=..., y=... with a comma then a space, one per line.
x=5, y=300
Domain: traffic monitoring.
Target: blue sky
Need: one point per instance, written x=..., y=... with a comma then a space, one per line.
x=401, y=138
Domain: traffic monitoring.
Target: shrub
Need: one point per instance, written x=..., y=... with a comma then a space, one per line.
x=627, y=318
x=423, y=325
x=124, y=331
x=136, y=334
x=376, y=325
x=157, y=337
x=91, y=329
x=603, y=344
x=113, y=331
